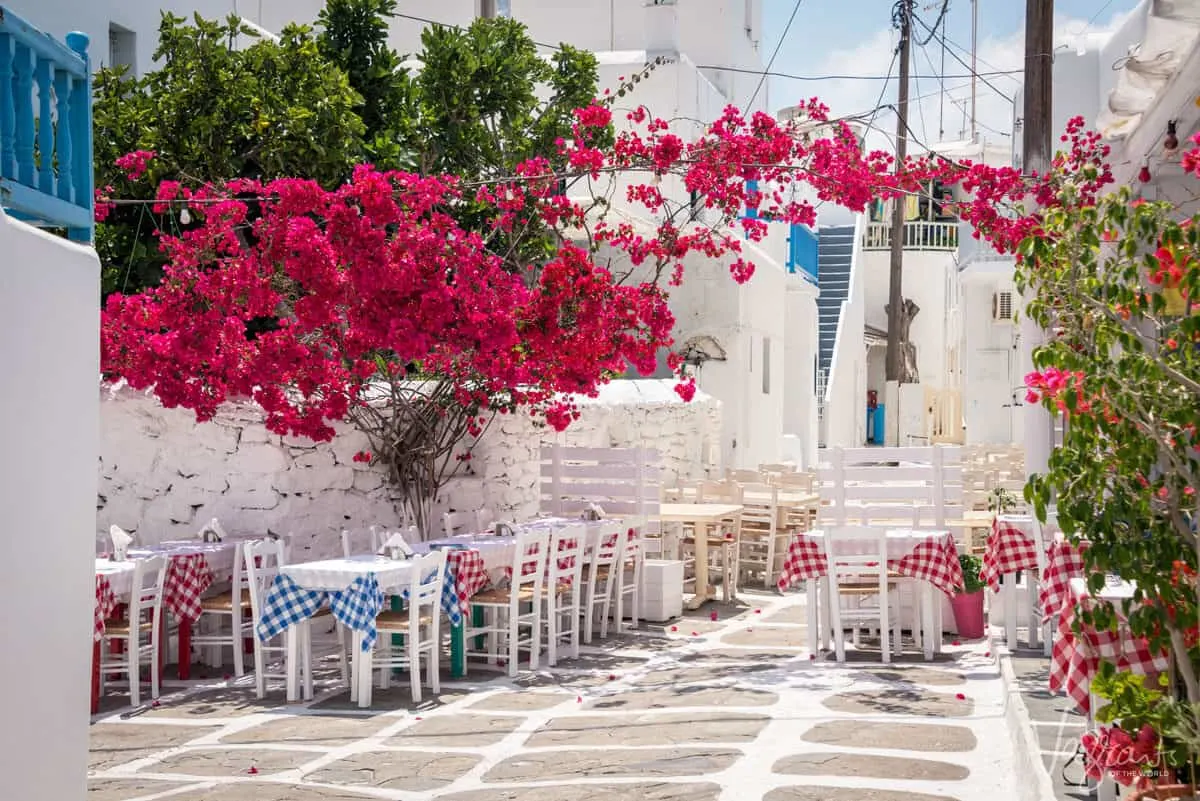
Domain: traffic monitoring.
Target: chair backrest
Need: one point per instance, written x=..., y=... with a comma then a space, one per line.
x=609, y=544
x=529, y=557
x=795, y=482
x=717, y=491
x=744, y=476
x=760, y=507
x=455, y=523
x=623, y=481
x=929, y=477
x=262, y=559
x=428, y=575
x=351, y=539
x=567, y=546
x=782, y=468
x=149, y=576
x=856, y=551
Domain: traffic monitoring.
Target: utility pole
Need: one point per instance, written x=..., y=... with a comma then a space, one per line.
x=1037, y=148
x=895, y=356
x=974, y=58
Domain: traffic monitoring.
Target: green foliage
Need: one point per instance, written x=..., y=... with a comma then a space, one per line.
x=971, y=565
x=1001, y=501
x=212, y=111
x=1134, y=703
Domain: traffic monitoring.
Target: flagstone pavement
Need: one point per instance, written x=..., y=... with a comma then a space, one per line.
x=731, y=710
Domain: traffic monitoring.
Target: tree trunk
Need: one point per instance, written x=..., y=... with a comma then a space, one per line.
x=908, y=351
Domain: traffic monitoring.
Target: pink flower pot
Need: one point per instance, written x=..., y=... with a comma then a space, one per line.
x=968, y=615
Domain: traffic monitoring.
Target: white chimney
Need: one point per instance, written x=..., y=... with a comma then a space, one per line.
x=662, y=29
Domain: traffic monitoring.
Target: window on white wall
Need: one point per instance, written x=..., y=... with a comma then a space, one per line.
x=122, y=48
x=766, y=366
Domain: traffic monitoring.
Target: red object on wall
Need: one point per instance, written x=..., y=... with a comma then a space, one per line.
x=872, y=399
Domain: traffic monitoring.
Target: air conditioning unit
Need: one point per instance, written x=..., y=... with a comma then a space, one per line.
x=1002, y=307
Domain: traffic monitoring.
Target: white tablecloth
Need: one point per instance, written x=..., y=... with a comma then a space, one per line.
x=498, y=552
x=900, y=542
x=331, y=575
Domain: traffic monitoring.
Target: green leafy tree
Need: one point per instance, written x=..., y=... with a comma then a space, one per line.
x=213, y=111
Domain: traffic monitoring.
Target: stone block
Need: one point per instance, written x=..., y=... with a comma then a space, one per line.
x=164, y=512
x=256, y=434
x=258, y=458
x=313, y=459
x=237, y=499
x=124, y=510
x=348, y=442
x=314, y=481
x=367, y=480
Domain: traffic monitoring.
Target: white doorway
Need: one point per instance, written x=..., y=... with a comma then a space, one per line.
x=990, y=396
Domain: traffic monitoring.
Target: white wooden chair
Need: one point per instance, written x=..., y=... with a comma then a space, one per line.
x=502, y=606
x=140, y=631
x=262, y=559
x=420, y=625
x=564, y=589
x=597, y=578
x=628, y=569
x=1043, y=537
x=354, y=540
x=858, y=573
x=230, y=608
x=759, y=537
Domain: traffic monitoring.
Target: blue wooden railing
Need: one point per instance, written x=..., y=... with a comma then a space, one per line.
x=45, y=128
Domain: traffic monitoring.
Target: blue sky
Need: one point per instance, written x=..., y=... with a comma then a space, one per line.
x=855, y=37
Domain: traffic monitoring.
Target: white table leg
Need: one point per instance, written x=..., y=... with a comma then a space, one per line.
x=929, y=633
x=1035, y=622
x=365, y=658
x=939, y=629
x=703, y=588
x=814, y=617
x=355, y=651
x=291, y=639
x=1008, y=592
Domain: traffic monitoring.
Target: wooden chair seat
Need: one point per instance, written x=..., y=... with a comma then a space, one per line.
x=223, y=602
x=397, y=620
x=602, y=573
x=863, y=589
x=120, y=627
x=501, y=595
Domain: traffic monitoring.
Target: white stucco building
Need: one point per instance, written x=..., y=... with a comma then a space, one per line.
x=762, y=368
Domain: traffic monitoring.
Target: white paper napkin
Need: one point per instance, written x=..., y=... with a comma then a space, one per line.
x=120, y=540
x=212, y=531
x=396, y=546
x=594, y=511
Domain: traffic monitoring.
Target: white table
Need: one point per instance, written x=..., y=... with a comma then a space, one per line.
x=333, y=575
x=701, y=516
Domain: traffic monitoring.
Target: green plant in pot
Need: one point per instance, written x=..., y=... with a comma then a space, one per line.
x=968, y=604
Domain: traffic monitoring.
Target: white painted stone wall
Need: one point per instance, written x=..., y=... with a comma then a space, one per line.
x=163, y=475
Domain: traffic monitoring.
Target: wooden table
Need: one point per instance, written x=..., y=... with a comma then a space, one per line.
x=702, y=516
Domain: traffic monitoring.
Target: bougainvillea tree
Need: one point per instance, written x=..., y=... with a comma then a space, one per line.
x=1116, y=280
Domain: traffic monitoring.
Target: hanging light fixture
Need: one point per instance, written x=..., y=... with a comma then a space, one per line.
x=1144, y=174
x=1171, y=143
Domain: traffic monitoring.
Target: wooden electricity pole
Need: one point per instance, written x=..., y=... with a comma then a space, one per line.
x=1037, y=151
x=895, y=354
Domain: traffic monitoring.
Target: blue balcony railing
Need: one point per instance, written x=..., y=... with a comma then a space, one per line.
x=45, y=128
x=802, y=252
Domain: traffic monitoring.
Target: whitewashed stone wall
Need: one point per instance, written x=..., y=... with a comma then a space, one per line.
x=163, y=475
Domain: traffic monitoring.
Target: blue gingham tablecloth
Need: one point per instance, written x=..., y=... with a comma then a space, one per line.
x=356, y=606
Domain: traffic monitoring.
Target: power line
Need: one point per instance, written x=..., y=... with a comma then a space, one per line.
x=966, y=65
x=941, y=17
x=945, y=40
x=779, y=46
x=789, y=76
x=460, y=27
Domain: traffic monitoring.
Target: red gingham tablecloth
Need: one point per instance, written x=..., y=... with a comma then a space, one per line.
x=1076, y=657
x=470, y=575
x=188, y=578
x=1063, y=562
x=1009, y=549
x=934, y=560
x=106, y=602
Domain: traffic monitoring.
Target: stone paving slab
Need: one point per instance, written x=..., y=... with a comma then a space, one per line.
x=219, y=703
x=649, y=763
x=919, y=675
x=231, y=762
x=769, y=636
x=396, y=770
x=718, y=671
x=455, y=731
x=901, y=736
x=684, y=696
x=1049, y=713
x=901, y=701
x=113, y=744
x=520, y=701
x=662, y=791
x=124, y=789
x=813, y=793
x=269, y=791
x=872, y=767
x=331, y=730
x=393, y=698
x=650, y=729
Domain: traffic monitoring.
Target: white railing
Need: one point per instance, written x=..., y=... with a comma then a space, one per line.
x=844, y=419
x=918, y=235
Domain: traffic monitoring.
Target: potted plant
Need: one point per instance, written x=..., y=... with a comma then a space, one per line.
x=1001, y=501
x=968, y=604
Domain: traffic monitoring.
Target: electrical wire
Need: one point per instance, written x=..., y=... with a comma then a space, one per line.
x=814, y=78
x=940, y=19
x=414, y=18
x=965, y=64
x=778, y=46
